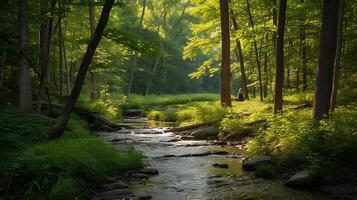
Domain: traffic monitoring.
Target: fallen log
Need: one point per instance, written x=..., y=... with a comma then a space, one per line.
x=94, y=118
x=190, y=127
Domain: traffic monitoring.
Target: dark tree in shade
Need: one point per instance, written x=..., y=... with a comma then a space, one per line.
x=225, y=64
x=324, y=78
x=62, y=120
x=279, y=77
x=336, y=68
x=25, y=95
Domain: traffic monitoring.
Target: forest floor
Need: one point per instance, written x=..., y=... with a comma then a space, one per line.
x=34, y=167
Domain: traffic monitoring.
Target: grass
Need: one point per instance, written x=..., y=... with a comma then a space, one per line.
x=152, y=101
x=326, y=147
x=70, y=168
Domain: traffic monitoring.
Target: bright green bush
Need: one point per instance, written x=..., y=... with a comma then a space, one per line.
x=299, y=142
x=201, y=112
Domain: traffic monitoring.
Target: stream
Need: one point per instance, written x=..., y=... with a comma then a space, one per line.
x=186, y=169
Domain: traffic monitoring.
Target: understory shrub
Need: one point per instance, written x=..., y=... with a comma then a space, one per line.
x=298, y=142
x=64, y=169
x=201, y=112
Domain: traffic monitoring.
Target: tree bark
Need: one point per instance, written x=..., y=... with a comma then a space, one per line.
x=61, y=59
x=93, y=75
x=239, y=54
x=279, y=78
x=2, y=68
x=304, y=55
x=266, y=79
x=62, y=121
x=256, y=53
x=328, y=43
x=152, y=72
x=225, y=64
x=25, y=94
x=336, y=68
x=45, y=47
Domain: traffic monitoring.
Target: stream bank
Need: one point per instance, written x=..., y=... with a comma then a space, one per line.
x=191, y=169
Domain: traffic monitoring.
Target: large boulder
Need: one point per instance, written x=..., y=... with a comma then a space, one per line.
x=116, y=194
x=133, y=113
x=301, y=179
x=254, y=163
x=206, y=133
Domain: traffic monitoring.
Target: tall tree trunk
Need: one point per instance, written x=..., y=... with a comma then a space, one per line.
x=256, y=53
x=279, y=78
x=239, y=54
x=45, y=47
x=2, y=68
x=266, y=78
x=324, y=79
x=136, y=55
x=152, y=72
x=93, y=75
x=61, y=59
x=25, y=95
x=336, y=68
x=304, y=55
x=225, y=65
x=68, y=81
x=62, y=120
x=275, y=22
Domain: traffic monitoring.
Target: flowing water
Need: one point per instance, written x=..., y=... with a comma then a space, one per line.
x=192, y=176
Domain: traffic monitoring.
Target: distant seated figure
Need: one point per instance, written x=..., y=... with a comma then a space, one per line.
x=240, y=95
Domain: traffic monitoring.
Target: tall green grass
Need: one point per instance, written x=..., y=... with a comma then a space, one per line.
x=151, y=101
x=65, y=169
x=32, y=167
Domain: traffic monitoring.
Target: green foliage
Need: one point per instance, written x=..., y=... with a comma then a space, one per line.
x=18, y=130
x=201, y=112
x=298, y=142
x=34, y=168
x=107, y=105
x=266, y=171
x=151, y=101
x=51, y=168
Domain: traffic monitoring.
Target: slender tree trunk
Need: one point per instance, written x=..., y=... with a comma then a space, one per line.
x=336, y=68
x=304, y=55
x=62, y=121
x=68, y=81
x=275, y=22
x=61, y=59
x=256, y=54
x=93, y=75
x=2, y=68
x=45, y=47
x=239, y=54
x=279, y=78
x=266, y=79
x=152, y=72
x=225, y=65
x=136, y=55
x=324, y=78
x=25, y=94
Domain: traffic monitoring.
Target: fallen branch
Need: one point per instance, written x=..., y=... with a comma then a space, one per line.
x=91, y=117
x=190, y=127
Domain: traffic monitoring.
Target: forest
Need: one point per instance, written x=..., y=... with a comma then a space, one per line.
x=178, y=99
